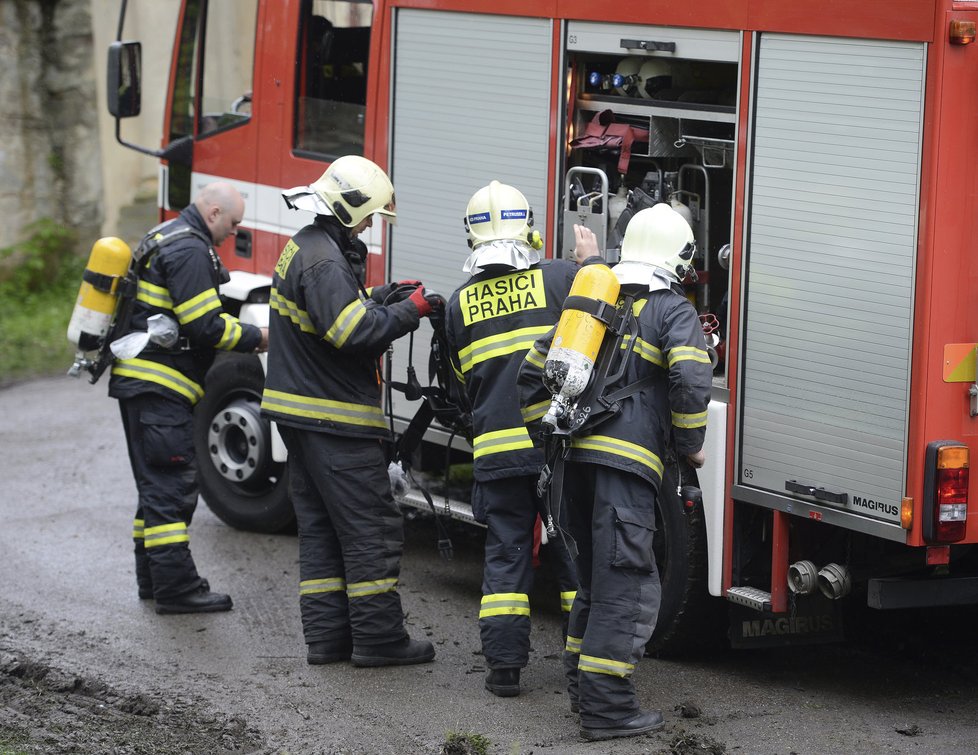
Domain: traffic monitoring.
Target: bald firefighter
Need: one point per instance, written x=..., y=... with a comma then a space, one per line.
x=158, y=389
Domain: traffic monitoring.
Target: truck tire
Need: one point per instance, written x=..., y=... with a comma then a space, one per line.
x=690, y=619
x=239, y=480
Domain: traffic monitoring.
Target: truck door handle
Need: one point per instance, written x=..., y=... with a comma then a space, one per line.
x=242, y=244
x=648, y=44
x=819, y=494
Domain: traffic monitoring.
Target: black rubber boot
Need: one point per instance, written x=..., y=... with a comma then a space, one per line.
x=201, y=600
x=503, y=682
x=644, y=722
x=401, y=653
x=319, y=653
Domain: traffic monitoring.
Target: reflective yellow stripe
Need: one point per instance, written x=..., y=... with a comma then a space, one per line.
x=320, y=408
x=688, y=354
x=573, y=644
x=155, y=296
x=197, y=306
x=511, y=439
x=618, y=447
x=291, y=310
x=535, y=411
x=499, y=345
x=645, y=350
x=505, y=604
x=137, y=528
x=232, y=332
x=166, y=534
x=689, y=421
x=605, y=666
x=459, y=375
x=315, y=586
x=638, y=306
x=536, y=357
x=374, y=587
x=154, y=372
x=567, y=600
x=345, y=323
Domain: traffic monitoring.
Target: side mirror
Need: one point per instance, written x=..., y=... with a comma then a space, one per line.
x=124, y=79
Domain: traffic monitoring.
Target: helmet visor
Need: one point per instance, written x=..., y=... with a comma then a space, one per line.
x=388, y=212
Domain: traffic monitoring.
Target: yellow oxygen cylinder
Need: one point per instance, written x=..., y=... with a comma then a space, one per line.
x=577, y=340
x=98, y=294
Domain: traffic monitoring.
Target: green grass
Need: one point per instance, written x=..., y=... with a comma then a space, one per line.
x=39, y=280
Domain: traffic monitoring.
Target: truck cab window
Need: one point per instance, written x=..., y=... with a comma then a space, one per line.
x=212, y=81
x=332, y=77
x=229, y=58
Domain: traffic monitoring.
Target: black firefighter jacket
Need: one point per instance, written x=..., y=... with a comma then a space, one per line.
x=493, y=321
x=326, y=335
x=181, y=281
x=669, y=348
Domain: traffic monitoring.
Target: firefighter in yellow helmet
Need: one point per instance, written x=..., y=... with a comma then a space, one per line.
x=512, y=298
x=323, y=391
x=614, y=470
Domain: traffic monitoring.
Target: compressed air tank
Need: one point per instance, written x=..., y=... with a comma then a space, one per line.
x=95, y=306
x=577, y=340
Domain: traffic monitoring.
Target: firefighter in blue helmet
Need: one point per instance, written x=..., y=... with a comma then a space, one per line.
x=614, y=470
x=158, y=388
x=323, y=391
x=512, y=298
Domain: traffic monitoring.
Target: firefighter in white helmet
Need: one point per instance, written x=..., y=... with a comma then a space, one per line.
x=512, y=298
x=322, y=390
x=612, y=476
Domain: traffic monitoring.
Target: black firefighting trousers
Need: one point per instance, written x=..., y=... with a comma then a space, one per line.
x=508, y=507
x=351, y=536
x=160, y=440
x=612, y=517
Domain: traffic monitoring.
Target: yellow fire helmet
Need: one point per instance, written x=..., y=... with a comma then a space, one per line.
x=657, y=237
x=352, y=188
x=499, y=223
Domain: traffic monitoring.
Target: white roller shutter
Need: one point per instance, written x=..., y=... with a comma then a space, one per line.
x=830, y=268
x=471, y=104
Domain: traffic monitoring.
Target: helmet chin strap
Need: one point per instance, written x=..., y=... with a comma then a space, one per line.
x=505, y=252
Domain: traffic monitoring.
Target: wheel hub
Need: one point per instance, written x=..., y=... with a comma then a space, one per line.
x=238, y=442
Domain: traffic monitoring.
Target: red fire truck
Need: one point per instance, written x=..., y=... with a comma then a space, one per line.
x=821, y=154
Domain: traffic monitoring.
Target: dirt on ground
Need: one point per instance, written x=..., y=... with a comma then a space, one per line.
x=49, y=709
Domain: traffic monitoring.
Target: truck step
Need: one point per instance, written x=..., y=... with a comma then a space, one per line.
x=460, y=510
x=751, y=597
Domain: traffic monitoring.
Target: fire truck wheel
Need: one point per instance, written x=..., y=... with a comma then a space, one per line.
x=239, y=480
x=690, y=620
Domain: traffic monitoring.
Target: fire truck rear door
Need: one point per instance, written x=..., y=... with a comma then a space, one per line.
x=831, y=247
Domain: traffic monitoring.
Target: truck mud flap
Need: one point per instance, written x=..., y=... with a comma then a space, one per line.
x=812, y=620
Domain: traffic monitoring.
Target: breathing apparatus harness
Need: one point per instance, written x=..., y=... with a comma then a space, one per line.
x=127, y=288
x=594, y=406
x=441, y=401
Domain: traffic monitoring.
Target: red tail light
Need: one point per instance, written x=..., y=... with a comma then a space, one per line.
x=948, y=493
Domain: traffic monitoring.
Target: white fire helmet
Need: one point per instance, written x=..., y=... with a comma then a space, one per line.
x=657, y=240
x=499, y=224
x=352, y=188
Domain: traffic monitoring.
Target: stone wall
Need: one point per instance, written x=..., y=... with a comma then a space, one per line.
x=50, y=155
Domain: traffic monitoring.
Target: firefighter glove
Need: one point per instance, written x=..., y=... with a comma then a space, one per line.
x=423, y=305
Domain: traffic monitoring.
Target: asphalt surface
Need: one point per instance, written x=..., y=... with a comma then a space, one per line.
x=68, y=604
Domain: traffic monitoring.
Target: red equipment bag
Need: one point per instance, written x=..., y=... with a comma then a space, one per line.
x=604, y=133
